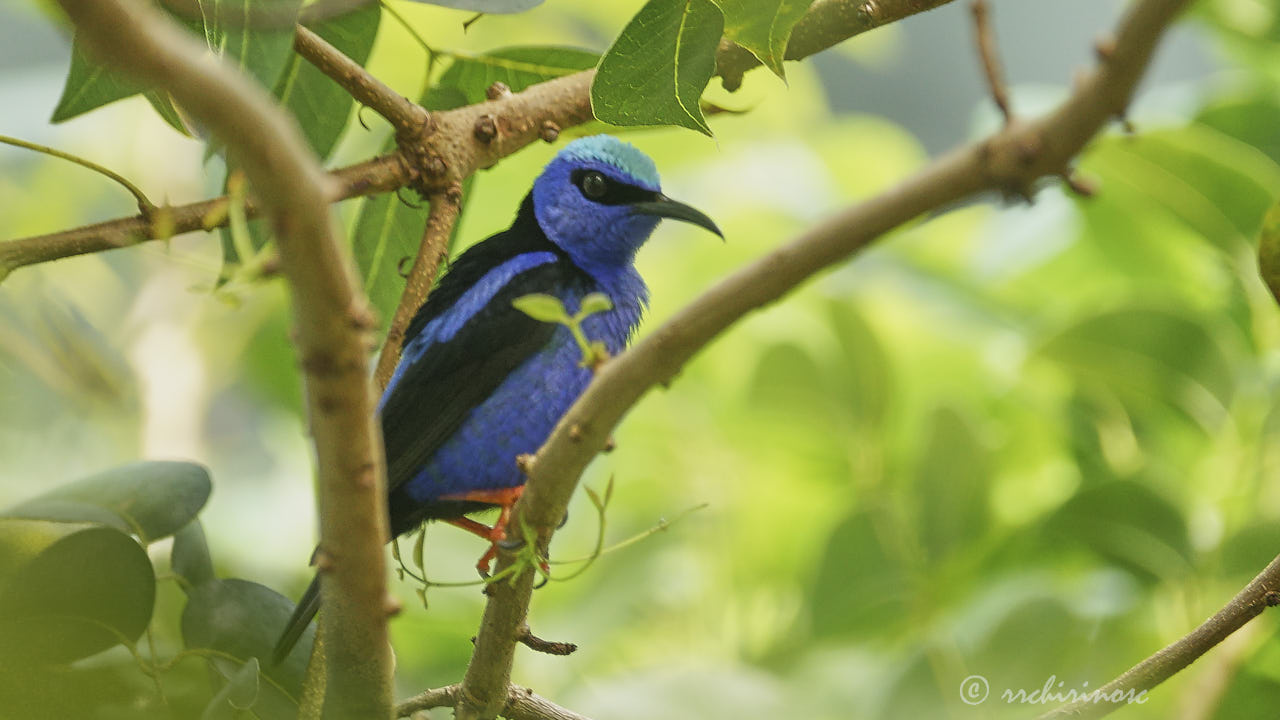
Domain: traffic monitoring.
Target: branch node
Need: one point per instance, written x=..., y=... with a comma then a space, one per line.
x=575, y=433
x=1082, y=186
x=524, y=461
x=550, y=131
x=497, y=90
x=1271, y=598
x=392, y=605
x=1104, y=48
x=485, y=129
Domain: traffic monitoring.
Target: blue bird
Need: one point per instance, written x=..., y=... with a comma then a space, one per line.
x=480, y=382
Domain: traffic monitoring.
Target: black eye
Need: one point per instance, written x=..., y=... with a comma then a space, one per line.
x=594, y=185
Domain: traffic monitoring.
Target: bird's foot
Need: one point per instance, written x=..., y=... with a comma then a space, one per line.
x=505, y=499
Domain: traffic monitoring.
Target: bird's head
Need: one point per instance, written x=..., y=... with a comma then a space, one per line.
x=599, y=200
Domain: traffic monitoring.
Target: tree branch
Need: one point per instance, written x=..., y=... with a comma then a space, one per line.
x=521, y=704
x=1013, y=158
x=443, y=215
x=1263, y=592
x=407, y=117
x=333, y=326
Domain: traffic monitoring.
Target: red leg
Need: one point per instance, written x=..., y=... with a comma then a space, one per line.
x=505, y=499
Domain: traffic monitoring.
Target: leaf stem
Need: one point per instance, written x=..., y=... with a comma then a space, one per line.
x=144, y=204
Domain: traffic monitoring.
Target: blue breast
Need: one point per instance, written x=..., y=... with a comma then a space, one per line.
x=524, y=409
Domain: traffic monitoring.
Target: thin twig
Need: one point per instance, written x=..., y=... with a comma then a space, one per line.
x=144, y=204
x=1263, y=592
x=441, y=218
x=333, y=324
x=1014, y=157
x=521, y=704
x=990, y=55
x=407, y=117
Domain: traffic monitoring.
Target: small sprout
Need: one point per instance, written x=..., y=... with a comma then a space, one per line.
x=596, y=302
x=542, y=307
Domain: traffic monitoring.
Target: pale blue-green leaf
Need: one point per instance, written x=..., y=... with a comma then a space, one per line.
x=239, y=694
x=189, y=559
x=658, y=67
x=763, y=26
x=149, y=499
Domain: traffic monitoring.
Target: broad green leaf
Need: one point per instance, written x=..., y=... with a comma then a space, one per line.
x=1245, y=553
x=593, y=303
x=320, y=105
x=486, y=6
x=658, y=67
x=518, y=67
x=149, y=499
x=240, y=693
x=70, y=590
x=189, y=558
x=261, y=52
x=863, y=586
x=1147, y=355
x=763, y=27
x=951, y=486
x=542, y=307
x=242, y=619
x=90, y=86
x=1128, y=524
x=867, y=368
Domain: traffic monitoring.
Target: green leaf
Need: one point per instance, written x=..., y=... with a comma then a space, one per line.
x=89, y=86
x=763, y=27
x=1148, y=355
x=189, y=557
x=518, y=67
x=951, y=486
x=262, y=52
x=1269, y=251
x=596, y=302
x=149, y=499
x=542, y=307
x=70, y=590
x=486, y=6
x=863, y=586
x=240, y=693
x=1128, y=524
x=658, y=67
x=320, y=105
x=242, y=619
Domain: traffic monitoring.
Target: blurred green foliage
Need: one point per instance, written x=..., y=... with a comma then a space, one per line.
x=1024, y=443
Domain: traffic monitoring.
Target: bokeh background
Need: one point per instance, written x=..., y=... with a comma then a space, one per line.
x=1029, y=442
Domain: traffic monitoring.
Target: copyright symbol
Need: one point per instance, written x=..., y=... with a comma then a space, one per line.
x=974, y=690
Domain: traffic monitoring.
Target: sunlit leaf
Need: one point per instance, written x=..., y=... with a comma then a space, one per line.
x=486, y=6
x=656, y=70
x=517, y=67
x=863, y=586
x=70, y=590
x=593, y=303
x=951, y=480
x=543, y=307
x=763, y=26
x=89, y=86
x=149, y=499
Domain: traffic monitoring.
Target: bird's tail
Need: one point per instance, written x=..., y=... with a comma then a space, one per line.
x=302, y=614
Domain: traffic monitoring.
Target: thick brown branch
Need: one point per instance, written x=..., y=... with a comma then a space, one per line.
x=333, y=325
x=1013, y=158
x=1263, y=592
x=827, y=23
x=407, y=117
x=521, y=704
x=435, y=246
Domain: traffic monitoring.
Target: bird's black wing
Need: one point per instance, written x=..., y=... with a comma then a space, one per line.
x=437, y=390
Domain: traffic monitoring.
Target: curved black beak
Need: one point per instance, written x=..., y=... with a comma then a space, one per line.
x=664, y=207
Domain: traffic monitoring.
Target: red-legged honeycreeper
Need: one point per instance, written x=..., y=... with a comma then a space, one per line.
x=480, y=382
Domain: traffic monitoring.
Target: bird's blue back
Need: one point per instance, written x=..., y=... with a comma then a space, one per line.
x=480, y=383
